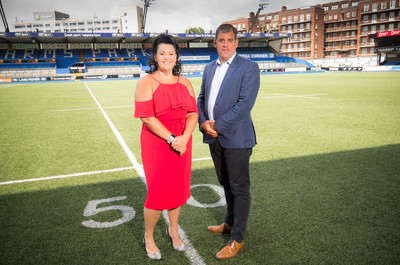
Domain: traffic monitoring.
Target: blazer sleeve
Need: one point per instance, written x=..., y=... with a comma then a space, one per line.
x=201, y=99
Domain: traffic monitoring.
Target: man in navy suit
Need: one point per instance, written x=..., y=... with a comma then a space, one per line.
x=228, y=92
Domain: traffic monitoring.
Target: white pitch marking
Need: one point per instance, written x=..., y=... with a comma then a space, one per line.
x=80, y=174
x=190, y=251
x=201, y=159
x=109, y=107
x=65, y=176
x=309, y=96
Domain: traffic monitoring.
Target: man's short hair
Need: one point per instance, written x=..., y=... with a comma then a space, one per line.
x=226, y=28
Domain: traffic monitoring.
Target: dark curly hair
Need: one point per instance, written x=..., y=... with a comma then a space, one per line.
x=164, y=39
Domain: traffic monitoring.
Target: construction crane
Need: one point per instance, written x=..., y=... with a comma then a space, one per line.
x=254, y=17
x=146, y=3
x=3, y=16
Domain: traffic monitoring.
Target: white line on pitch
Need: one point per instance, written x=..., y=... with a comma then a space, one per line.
x=81, y=174
x=108, y=107
x=65, y=176
x=190, y=251
x=309, y=96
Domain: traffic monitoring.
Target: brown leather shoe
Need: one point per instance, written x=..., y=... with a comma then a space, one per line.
x=230, y=250
x=220, y=229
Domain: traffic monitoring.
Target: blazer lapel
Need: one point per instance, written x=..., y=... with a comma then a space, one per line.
x=211, y=73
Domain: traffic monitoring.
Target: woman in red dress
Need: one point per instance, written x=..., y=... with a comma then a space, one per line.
x=165, y=102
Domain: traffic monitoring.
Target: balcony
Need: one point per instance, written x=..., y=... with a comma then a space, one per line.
x=333, y=48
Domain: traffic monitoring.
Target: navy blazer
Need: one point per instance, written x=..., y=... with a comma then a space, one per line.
x=233, y=105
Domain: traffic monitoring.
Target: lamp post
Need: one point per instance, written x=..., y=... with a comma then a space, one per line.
x=254, y=19
x=146, y=4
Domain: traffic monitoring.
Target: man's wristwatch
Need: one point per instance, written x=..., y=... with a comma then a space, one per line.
x=171, y=138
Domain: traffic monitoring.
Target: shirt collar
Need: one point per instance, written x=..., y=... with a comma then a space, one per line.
x=229, y=61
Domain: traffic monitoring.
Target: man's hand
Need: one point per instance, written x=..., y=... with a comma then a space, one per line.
x=209, y=128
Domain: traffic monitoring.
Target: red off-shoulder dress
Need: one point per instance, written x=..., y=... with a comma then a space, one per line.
x=167, y=173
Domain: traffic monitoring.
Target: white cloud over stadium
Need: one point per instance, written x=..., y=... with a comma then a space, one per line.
x=174, y=15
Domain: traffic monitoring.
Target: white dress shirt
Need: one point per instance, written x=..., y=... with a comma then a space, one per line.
x=216, y=84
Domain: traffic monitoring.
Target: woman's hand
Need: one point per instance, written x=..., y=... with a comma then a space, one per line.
x=179, y=144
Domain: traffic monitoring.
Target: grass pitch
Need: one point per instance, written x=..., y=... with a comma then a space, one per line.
x=325, y=175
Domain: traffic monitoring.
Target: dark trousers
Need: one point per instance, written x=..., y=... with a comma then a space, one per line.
x=232, y=167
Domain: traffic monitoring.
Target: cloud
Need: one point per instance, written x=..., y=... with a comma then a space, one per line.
x=174, y=15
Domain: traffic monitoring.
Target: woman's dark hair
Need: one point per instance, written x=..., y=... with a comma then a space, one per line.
x=164, y=39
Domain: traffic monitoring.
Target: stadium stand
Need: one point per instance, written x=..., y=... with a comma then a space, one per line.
x=52, y=59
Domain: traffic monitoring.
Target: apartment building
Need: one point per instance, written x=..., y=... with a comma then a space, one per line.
x=331, y=30
x=128, y=20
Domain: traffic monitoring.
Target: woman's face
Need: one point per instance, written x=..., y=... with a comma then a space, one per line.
x=165, y=57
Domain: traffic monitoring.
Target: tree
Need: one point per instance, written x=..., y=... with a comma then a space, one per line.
x=198, y=30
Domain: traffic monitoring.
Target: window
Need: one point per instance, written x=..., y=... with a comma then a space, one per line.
x=373, y=17
x=308, y=16
x=382, y=27
x=383, y=16
x=391, y=26
x=374, y=6
x=392, y=3
x=364, y=41
x=335, y=7
x=302, y=17
x=366, y=8
x=365, y=18
x=295, y=18
x=348, y=15
x=391, y=15
x=383, y=5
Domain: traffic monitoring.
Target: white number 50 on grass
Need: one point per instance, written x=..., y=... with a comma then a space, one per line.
x=92, y=208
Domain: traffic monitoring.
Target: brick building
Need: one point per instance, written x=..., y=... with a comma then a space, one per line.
x=331, y=30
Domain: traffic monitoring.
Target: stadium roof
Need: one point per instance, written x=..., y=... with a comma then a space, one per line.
x=82, y=37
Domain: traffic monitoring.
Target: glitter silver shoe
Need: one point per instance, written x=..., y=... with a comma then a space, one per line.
x=180, y=247
x=155, y=255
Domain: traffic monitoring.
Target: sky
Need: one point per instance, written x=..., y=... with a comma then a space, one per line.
x=174, y=15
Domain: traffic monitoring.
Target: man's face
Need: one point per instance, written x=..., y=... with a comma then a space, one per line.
x=226, y=45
